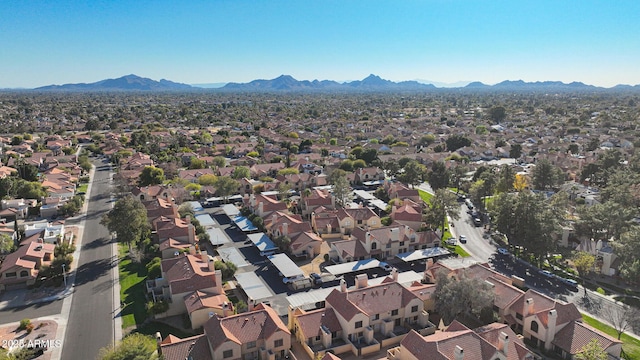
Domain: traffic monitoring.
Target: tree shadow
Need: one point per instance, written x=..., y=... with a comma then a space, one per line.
x=92, y=270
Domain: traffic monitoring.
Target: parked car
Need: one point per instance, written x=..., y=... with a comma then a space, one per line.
x=503, y=251
x=477, y=222
x=385, y=266
x=316, y=278
x=463, y=239
x=572, y=283
x=452, y=241
x=547, y=273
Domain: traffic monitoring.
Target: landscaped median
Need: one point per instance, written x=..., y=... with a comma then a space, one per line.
x=426, y=197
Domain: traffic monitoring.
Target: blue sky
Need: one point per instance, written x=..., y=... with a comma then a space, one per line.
x=55, y=42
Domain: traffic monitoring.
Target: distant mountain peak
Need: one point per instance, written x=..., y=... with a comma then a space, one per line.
x=129, y=82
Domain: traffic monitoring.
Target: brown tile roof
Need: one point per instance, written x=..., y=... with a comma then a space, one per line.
x=352, y=248
x=310, y=322
x=371, y=300
x=573, y=337
x=195, y=347
x=187, y=273
x=203, y=300
x=243, y=328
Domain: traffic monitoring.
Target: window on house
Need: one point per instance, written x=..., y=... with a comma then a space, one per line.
x=394, y=312
x=24, y=273
x=518, y=316
x=388, y=246
x=334, y=334
x=251, y=344
x=227, y=353
x=534, y=326
x=10, y=274
x=359, y=222
x=376, y=316
x=414, y=308
x=318, y=338
x=358, y=324
x=278, y=343
x=401, y=243
x=374, y=245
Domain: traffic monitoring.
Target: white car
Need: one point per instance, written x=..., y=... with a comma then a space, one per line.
x=463, y=239
x=547, y=273
x=385, y=266
x=452, y=241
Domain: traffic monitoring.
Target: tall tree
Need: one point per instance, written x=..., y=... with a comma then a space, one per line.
x=341, y=188
x=546, y=175
x=506, y=179
x=528, y=221
x=465, y=296
x=515, y=151
x=497, y=113
x=628, y=250
x=226, y=186
x=413, y=174
x=151, y=175
x=621, y=317
x=7, y=245
x=442, y=204
x=128, y=219
x=241, y=172
x=456, y=141
x=458, y=174
x=439, y=176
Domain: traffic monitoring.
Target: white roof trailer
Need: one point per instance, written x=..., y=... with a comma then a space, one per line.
x=263, y=243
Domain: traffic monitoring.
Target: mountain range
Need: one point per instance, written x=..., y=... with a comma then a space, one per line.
x=286, y=83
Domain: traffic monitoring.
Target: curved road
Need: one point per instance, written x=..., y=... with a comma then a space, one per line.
x=90, y=325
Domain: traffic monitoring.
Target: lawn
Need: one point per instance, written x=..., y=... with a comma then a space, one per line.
x=132, y=289
x=630, y=345
x=82, y=188
x=155, y=326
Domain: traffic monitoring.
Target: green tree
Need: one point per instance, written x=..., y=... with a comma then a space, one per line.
x=455, y=142
x=528, y=221
x=219, y=162
x=442, y=204
x=469, y=297
x=426, y=140
x=226, y=186
x=288, y=171
x=196, y=163
x=628, y=250
x=546, y=176
x=592, y=351
x=135, y=346
x=241, y=172
x=515, y=151
x=506, y=179
x=207, y=180
x=128, y=219
x=30, y=190
x=340, y=187
x=282, y=242
x=27, y=172
x=7, y=245
x=414, y=173
x=151, y=175
x=439, y=176
x=497, y=113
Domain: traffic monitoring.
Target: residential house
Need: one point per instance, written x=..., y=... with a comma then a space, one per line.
x=369, y=174
x=361, y=320
x=491, y=342
x=317, y=198
x=407, y=213
x=381, y=243
x=20, y=268
x=193, y=175
x=304, y=242
x=174, y=234
x=264, y=206
x=396, y=190
x=257, y=334
x=189, y=284
x=152, y=192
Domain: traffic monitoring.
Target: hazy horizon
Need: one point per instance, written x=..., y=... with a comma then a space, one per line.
x=226, y=41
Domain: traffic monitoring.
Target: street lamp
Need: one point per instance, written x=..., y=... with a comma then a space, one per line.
x=64, y=275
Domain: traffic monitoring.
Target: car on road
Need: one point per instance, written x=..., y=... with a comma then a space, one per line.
x=477, y=222
x=385, y=266
x=503, y=251
x=547, y=273
x=452, y=241
x=570, y=282
x=462, y=239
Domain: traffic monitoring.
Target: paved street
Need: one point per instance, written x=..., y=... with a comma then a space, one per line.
x=90, y=325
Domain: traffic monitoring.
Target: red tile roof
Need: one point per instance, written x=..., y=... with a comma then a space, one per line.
x=573, y=337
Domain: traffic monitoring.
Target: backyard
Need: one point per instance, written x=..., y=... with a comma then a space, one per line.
x=630, y=345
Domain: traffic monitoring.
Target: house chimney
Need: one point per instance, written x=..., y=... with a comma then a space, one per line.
x=343, y=286
x=458, y=353
x=158, y=338
x=362, y=281
x=429, y=264
x=528, y=308
x=274, y=218
x=503, y=343
x=394, y=274
x=187, y=219
x=551, y=328
x=192, y=250
x=285, y=229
